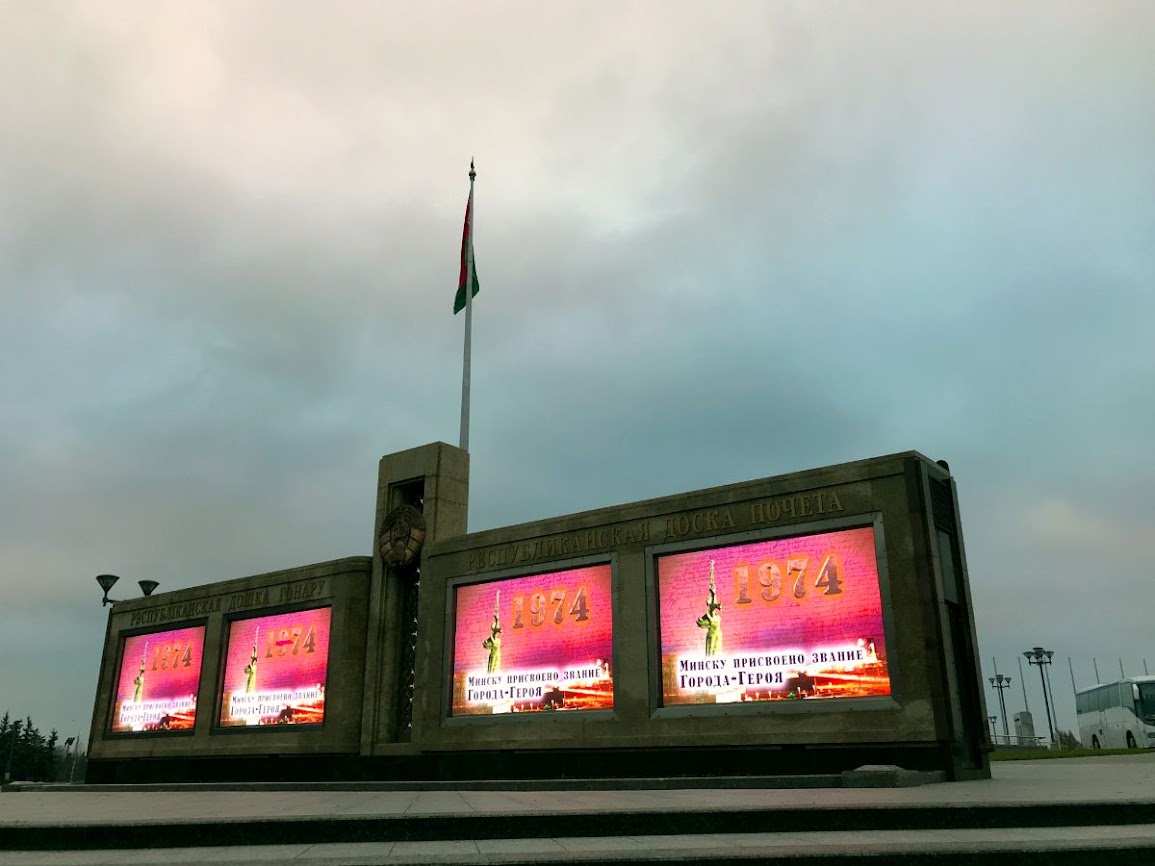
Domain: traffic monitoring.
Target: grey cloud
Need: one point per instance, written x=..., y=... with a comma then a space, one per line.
x=712, y=247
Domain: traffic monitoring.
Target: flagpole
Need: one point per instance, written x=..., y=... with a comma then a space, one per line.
x=468, y=317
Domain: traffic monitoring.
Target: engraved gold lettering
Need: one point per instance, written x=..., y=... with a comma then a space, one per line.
x=805, y=503
x=728, y=520
x=835, y=502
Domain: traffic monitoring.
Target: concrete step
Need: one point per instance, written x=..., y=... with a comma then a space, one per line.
x=987, y=847
x=119, y=832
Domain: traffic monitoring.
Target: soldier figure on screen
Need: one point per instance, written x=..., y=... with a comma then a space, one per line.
x=493, y=642
x=138, y=682
x=711, y=620
x=251, y=667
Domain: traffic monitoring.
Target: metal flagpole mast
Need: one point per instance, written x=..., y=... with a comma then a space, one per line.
x=468, y=316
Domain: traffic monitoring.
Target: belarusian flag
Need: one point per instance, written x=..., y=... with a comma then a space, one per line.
x=468, y=265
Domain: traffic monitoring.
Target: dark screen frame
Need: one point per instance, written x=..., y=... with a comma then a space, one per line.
x=227, y=623
x=658, y=710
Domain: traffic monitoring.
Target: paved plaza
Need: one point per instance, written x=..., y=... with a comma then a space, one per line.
x=1101, y=804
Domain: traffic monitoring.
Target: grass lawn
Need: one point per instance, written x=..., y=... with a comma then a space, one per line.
x=1037, y=754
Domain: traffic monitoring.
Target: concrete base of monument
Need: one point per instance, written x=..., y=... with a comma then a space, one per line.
x=888, y=777
x=589, y=768
x=1030, y=812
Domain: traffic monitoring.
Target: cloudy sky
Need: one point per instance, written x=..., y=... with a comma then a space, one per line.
x=716, y=242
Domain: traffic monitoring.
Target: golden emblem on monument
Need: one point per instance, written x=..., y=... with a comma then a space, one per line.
x=402, y=534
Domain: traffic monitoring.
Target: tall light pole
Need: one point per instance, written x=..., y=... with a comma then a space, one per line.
x=68, y=748
x=1001, y=682
x=75, y=743
x=75, y=755
x=1039, y=656
x=1023, y=686
x=1051, y=691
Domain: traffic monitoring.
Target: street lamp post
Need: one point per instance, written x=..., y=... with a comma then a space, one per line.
x=75, y=755
x=1039, y=656
x=1051, y=692
x=107, y=581
x=72, y=743
x=68, y=748
x=1001, y=683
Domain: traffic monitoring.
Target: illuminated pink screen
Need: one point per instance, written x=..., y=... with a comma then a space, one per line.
x=540, y=643
x=790, y=619
x=275, y=669
x=156, y=687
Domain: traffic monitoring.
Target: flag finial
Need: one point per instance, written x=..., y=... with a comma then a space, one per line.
x=472, y=173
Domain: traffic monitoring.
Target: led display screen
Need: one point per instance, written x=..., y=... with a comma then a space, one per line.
x=789, y=619
x=156, y=686
x=540, y=643
x=275, y=669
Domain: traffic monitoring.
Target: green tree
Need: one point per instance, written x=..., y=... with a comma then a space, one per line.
x=9, y=744
x=25, y=753
x=47, y=768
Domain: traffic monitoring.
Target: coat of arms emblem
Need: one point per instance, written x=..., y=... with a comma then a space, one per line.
x=402, y=534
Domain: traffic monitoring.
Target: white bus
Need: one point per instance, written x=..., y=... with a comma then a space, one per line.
x=1119, y=715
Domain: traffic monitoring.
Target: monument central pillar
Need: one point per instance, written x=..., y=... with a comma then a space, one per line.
x=422, y=496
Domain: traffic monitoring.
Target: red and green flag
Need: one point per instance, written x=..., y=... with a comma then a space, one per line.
x=468, y=265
